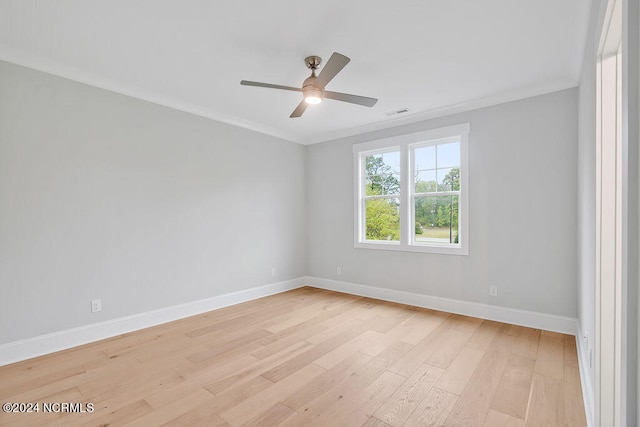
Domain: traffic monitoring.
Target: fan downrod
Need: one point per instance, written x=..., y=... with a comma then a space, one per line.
x=312, y=62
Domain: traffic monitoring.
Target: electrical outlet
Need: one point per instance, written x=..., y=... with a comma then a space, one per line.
x=273, y=272
x=96, y=305
x=493, y=291
x=338, y=271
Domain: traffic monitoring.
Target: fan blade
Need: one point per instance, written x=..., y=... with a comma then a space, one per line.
x=333, y=67
x=299, y=109
x=269, y=85
x=353, y=99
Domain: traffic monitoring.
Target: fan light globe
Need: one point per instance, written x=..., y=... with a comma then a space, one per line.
x=313, y=100
x=312, y=95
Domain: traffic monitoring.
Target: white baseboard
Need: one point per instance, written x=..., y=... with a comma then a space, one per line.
x=49, y=343
x=531, y=319
x=585, y=378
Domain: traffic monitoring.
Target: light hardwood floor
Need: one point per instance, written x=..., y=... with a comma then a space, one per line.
x=310, y=357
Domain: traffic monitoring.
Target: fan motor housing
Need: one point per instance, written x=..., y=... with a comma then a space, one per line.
x=309, y=88
x=310, y=82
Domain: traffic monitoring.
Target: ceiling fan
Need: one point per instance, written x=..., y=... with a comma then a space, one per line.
x=313, y=87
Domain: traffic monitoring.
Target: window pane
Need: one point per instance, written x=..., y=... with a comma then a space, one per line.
x=425, y=158
x=436, y=219
x=449, y=179
x=426, y=181
x=383, y=219
x=382, y=173
x=448, y=155
x=392, y=160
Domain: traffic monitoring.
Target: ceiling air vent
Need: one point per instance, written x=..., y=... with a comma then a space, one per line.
x=398, y=111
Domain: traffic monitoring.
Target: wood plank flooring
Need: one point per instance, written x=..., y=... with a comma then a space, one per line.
x=309, y=357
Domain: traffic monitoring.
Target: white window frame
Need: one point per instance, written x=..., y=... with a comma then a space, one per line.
x=405, y=144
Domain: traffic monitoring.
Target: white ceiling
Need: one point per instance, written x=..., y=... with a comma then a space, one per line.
x=434, y=57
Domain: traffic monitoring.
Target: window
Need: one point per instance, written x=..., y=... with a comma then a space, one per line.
x=411, y=192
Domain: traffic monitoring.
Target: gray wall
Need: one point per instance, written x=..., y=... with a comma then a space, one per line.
x=104, y=196
x=523, y=208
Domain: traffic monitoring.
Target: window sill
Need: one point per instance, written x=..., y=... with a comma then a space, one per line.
x=396, y=246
